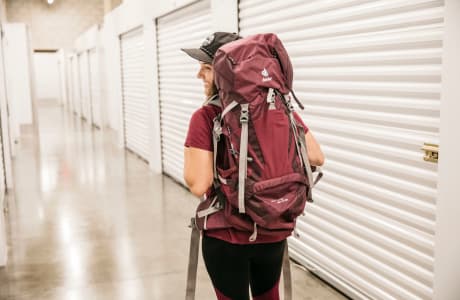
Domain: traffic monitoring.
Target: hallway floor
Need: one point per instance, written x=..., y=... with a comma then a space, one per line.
x=90, y=221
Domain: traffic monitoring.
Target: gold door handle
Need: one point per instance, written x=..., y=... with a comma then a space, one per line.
x=431, y=152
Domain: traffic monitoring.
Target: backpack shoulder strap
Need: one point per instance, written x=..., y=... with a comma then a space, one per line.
x=214, y=100
x=217, y=129
x=301, y=144
x=243, y=165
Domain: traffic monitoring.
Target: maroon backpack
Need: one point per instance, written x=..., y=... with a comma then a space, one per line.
x=266, y=179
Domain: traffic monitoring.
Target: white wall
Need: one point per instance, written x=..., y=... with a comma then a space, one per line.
x=3, y=10
x=111, y=61
x=88, y=39
x=58, y=25
x=447, y=243
x=17, y=64
x=47, y=83
x=18, y=80
x=76, y=98
x=93, y=40
x=62, y=69
x=70, y=82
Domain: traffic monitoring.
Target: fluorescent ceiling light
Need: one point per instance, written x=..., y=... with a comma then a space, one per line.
x=50, y=1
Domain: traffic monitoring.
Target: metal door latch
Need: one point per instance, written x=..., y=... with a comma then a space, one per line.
x=431, y=152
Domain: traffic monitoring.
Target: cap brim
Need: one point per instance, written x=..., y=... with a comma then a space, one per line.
x=198, y=54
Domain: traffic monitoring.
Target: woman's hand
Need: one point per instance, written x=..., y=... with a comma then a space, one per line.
x=315, y=155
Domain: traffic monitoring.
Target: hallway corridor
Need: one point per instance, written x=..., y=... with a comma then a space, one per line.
x=90, y=221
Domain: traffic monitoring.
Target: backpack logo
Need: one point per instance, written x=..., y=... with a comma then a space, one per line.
x=265, y=75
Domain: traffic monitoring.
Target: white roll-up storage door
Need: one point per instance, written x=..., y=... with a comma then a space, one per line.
x=2, y=173
x=135, y=105
x=76, y=86
x=84, y=85
x=3, y=245
x=369, y=75
x=181, y=93
x=95, y=87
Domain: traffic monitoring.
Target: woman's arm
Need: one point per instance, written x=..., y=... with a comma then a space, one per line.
x=198, y=170
x=198, y=165
x=315, y=155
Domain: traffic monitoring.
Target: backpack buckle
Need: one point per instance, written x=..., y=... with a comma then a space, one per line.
x=217, y=129
x=217, y=132
x=244, y=117
x=287, y=99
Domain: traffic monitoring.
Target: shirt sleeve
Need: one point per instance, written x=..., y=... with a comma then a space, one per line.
x=299, y=119
x=199, y=133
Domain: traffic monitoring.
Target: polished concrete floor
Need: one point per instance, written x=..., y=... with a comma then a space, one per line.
x=88, y=220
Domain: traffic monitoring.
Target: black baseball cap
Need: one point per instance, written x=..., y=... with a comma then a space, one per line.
x=210, y=45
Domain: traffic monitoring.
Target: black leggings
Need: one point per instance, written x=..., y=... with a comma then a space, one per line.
x=234, y=268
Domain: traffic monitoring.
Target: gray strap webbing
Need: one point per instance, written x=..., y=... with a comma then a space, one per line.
x=210, y=210
x=192, y=262
x=298, y=141
x=231, y=106
x=296, y=137
x=303, y=153
x=303, y=147
x=213, y=100
x=287, y=274
x=243, y=166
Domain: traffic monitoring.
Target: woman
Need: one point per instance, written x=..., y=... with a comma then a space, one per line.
x=234, y=264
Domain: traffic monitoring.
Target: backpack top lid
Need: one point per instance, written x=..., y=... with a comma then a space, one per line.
x=243, y=67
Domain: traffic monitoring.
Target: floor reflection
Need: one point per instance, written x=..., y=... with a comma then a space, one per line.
x=88, y=220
